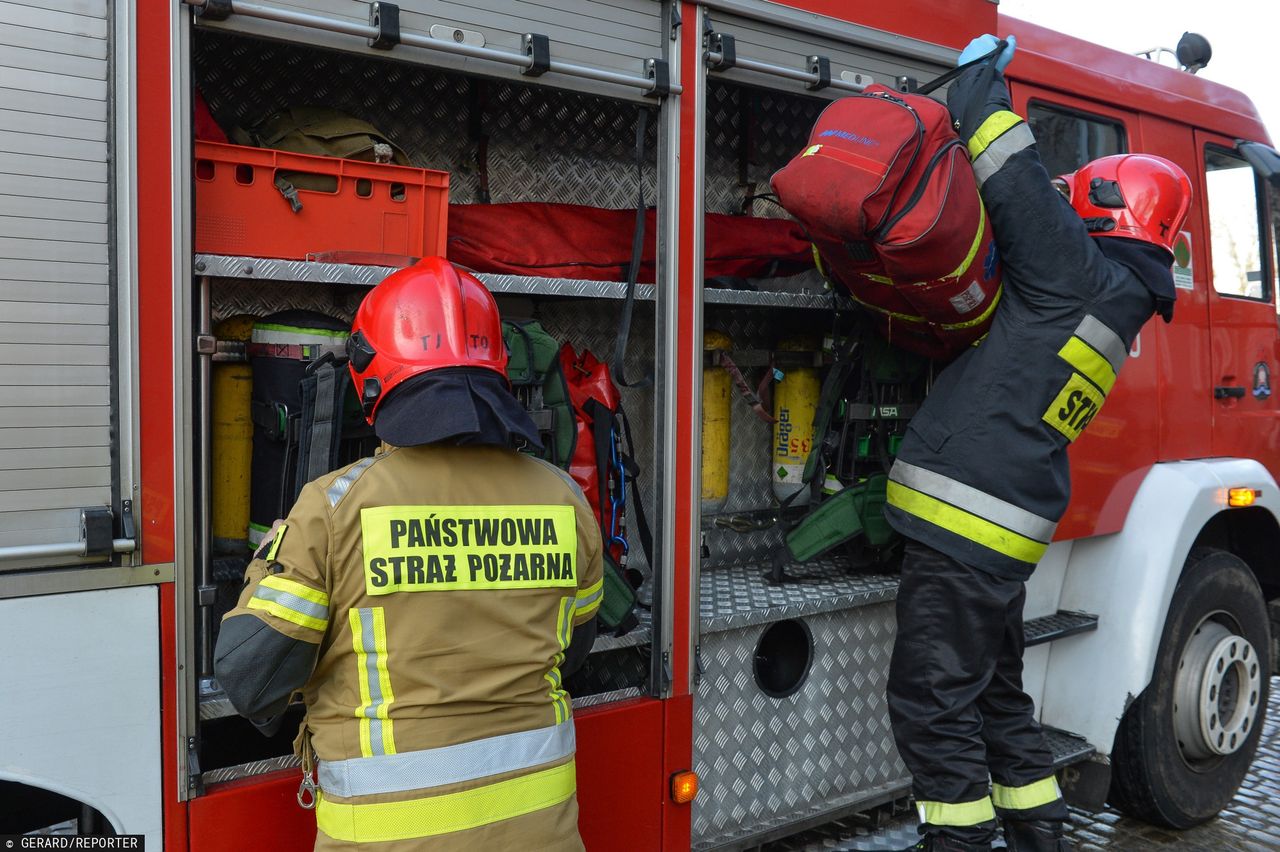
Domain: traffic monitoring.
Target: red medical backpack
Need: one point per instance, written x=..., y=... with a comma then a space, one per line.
x=888, y=196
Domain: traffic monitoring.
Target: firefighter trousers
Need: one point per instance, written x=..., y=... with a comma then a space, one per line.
x=963, y=725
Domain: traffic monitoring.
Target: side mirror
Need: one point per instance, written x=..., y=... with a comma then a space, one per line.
x=1264, y=160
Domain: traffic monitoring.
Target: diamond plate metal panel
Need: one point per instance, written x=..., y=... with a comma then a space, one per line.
x=248, y=770
x=764, y=761
x=739, y=596
x=542, y=144
x=751, y=133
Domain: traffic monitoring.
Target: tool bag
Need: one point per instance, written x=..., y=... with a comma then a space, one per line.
x=321, y=131
x=301, y=391
x=888, y=197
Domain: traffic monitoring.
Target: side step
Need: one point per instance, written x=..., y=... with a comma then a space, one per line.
x=1047, y=628
x=1067, y=748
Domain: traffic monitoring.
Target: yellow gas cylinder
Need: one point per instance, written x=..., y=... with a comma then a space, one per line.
x=717, y=395
x=232, y=441
x=795, y=399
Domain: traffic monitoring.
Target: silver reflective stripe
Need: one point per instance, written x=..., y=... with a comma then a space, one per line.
x=369, y=644
x=1006, y=145
x=589, y=600
x=293, y=602
x=416, y=770
x=1093, y=332
x=340, y=486
x=972, y=500
x=564, y=475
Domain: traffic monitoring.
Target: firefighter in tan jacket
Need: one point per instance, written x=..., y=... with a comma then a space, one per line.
x=427, y=601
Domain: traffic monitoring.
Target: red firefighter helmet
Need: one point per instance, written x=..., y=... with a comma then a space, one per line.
x=429, y=316
x=1139, y=196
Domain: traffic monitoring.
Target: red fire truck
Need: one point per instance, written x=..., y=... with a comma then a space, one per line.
x=1150, y=620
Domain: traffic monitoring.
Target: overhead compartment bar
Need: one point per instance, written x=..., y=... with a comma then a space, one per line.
x=833, y=28
x=722, y=55
x=533, y=61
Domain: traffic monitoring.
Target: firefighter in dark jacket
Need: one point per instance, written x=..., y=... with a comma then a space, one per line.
x=982, y=478
x=427, y=601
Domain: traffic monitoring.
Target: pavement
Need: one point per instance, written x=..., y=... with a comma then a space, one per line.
x=1251, y=823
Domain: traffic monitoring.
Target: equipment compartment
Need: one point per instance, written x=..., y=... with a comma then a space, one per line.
x=498, y=142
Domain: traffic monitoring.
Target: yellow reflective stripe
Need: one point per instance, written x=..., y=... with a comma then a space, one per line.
x=290, y=615
x=996, y=125
x=466, y=548
x=966, y=524
x=811, y=150
x=564, y=632
x=362, y=664
x=292, y=587
x=958, y=814
x=434, y=815
x=275, y=542
x=817, y=260
x=384, y=681
x=369, y=639
x=1089, y=362
x=588, y=600
x=1024, y=798
x=977, y=243
x=1074, y=407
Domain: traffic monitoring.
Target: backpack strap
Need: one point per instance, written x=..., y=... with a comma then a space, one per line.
x=319, y=427
x=633, y=470
x=942, y=79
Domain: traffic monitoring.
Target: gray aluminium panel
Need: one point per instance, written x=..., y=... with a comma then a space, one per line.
x=616, y=36
x=777, y=45
x=766, y=762
x=541, y=144
x=53, y=244
x=739, y=596
x=249, y=770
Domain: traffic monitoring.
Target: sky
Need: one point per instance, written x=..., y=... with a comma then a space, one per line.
x=1241, y=32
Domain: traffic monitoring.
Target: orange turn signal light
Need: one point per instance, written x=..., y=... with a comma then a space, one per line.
x=684, y=786
x=1242, y=496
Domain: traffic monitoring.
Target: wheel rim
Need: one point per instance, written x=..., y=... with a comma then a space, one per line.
x=1216, y=692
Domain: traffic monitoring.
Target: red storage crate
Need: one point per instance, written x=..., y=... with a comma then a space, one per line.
x=361, y=207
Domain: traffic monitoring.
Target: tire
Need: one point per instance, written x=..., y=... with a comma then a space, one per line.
x=1175, y=768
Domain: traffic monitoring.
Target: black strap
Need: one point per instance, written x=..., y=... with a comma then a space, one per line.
x=938, y=82
x=633, y=470
x=319, y=430
x=601, y=433
x=633, y=271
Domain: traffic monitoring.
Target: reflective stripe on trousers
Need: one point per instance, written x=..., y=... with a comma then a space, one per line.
x=1026, y=797
x=959, y=814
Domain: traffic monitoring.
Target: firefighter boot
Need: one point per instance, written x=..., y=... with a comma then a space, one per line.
x=946, y=843
x=1035, y=835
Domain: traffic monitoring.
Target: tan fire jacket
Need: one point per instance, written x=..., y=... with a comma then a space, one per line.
x=441, y=585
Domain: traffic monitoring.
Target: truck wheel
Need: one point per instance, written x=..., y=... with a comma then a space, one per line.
x=1185, y=744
